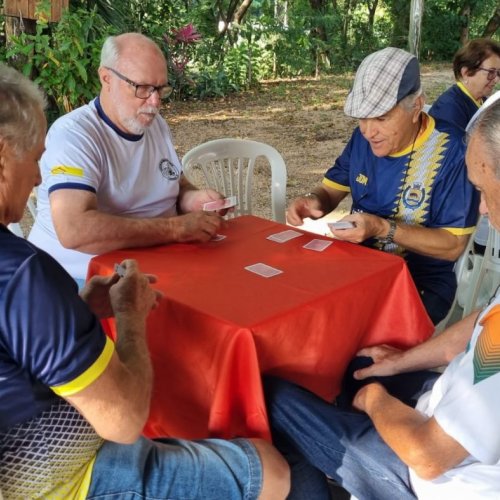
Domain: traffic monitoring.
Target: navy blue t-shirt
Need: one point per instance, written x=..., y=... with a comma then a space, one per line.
x=425, y=185
x=455, y=106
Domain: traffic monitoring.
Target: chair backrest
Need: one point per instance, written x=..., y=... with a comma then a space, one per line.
x=228, y=166
x=480, y=276
x=488, y=279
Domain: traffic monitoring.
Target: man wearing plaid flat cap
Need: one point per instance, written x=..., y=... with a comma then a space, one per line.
x=407, y=178
x=400, y=429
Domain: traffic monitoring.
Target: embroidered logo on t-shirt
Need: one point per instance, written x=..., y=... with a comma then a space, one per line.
x=362, y=179
x=487, y=349
x=414, y=195
x=168, y=170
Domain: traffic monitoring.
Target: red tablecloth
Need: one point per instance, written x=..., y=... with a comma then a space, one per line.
x=220, y=327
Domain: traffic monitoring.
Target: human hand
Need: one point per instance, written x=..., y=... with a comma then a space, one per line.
x=366, y=226
x=194, y=199
x=132, y=294
x=385, y=361
x=196, y=226
x=303, y=207
x=366, y=395
x=96, y=294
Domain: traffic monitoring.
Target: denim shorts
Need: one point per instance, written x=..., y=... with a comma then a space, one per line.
x=177, y=469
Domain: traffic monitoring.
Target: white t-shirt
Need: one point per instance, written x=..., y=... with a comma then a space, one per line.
x=465, y=401
x=131, y=175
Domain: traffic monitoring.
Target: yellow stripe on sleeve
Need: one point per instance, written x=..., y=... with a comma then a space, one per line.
x=66, y=169
x=90, y=375
x=459, y=231
x=334, y=185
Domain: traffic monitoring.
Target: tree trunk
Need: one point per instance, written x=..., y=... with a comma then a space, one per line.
x=372, y=8
x=465, y=12
x=318, y=32
x=416, y=16
x=493, y=24
x=226, y=16
x=240, y=13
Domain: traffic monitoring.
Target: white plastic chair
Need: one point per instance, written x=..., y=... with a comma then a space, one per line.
x=228, y=166
x=478, y=276
x=486, y=278
x=15, y=227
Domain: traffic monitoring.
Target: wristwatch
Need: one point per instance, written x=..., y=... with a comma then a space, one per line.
x=387, y=240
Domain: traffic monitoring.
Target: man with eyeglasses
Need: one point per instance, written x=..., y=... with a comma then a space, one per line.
x=111, y=176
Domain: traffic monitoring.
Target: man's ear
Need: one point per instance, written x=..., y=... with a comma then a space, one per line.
x=104, y=77
x=418, y=107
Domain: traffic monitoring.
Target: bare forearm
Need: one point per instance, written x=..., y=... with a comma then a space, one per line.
x=439, y=350
x=133, y=352
x=97, y=232
x=395, y=422
x=418, y=440
x=433, y=242
x=185, y=189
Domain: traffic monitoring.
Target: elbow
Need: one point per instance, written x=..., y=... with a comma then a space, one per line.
x=428, y=472
x=68, y=237
x=424, y=464
x=452, y=254
x=124, y=433
x=127, y=427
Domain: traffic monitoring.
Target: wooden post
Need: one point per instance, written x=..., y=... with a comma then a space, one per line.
x=26, y=9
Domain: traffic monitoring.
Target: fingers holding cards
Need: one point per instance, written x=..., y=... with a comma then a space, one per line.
x=222, y=204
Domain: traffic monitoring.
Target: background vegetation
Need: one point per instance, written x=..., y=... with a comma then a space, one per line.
x=217, y=47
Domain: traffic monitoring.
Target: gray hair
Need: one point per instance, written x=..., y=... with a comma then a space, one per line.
x=20, y=101
x=113, y=46
x=110, y=52
x=487, y=125
x=408, y=102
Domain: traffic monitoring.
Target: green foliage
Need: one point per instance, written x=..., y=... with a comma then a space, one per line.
x=62, y=58
x=276, y=38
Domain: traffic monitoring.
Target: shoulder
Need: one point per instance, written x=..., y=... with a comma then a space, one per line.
x=452, y=95
x=451, y=136
x=81, y=121
x=23, y=264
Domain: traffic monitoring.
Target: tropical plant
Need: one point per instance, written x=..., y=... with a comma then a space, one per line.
x=62, y=58
x=179, y=45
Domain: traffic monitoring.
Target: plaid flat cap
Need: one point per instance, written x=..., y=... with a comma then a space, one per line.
x=382, y=80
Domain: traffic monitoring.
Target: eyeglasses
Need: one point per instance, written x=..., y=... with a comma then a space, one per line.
x=492, y=73
x=144, y=91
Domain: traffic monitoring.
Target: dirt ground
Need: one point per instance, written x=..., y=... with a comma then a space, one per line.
x=303, y=119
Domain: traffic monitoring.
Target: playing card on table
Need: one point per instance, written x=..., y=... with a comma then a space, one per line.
x=212, y=206
x=263, y=270
x=284, y=236
x=318, y=245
